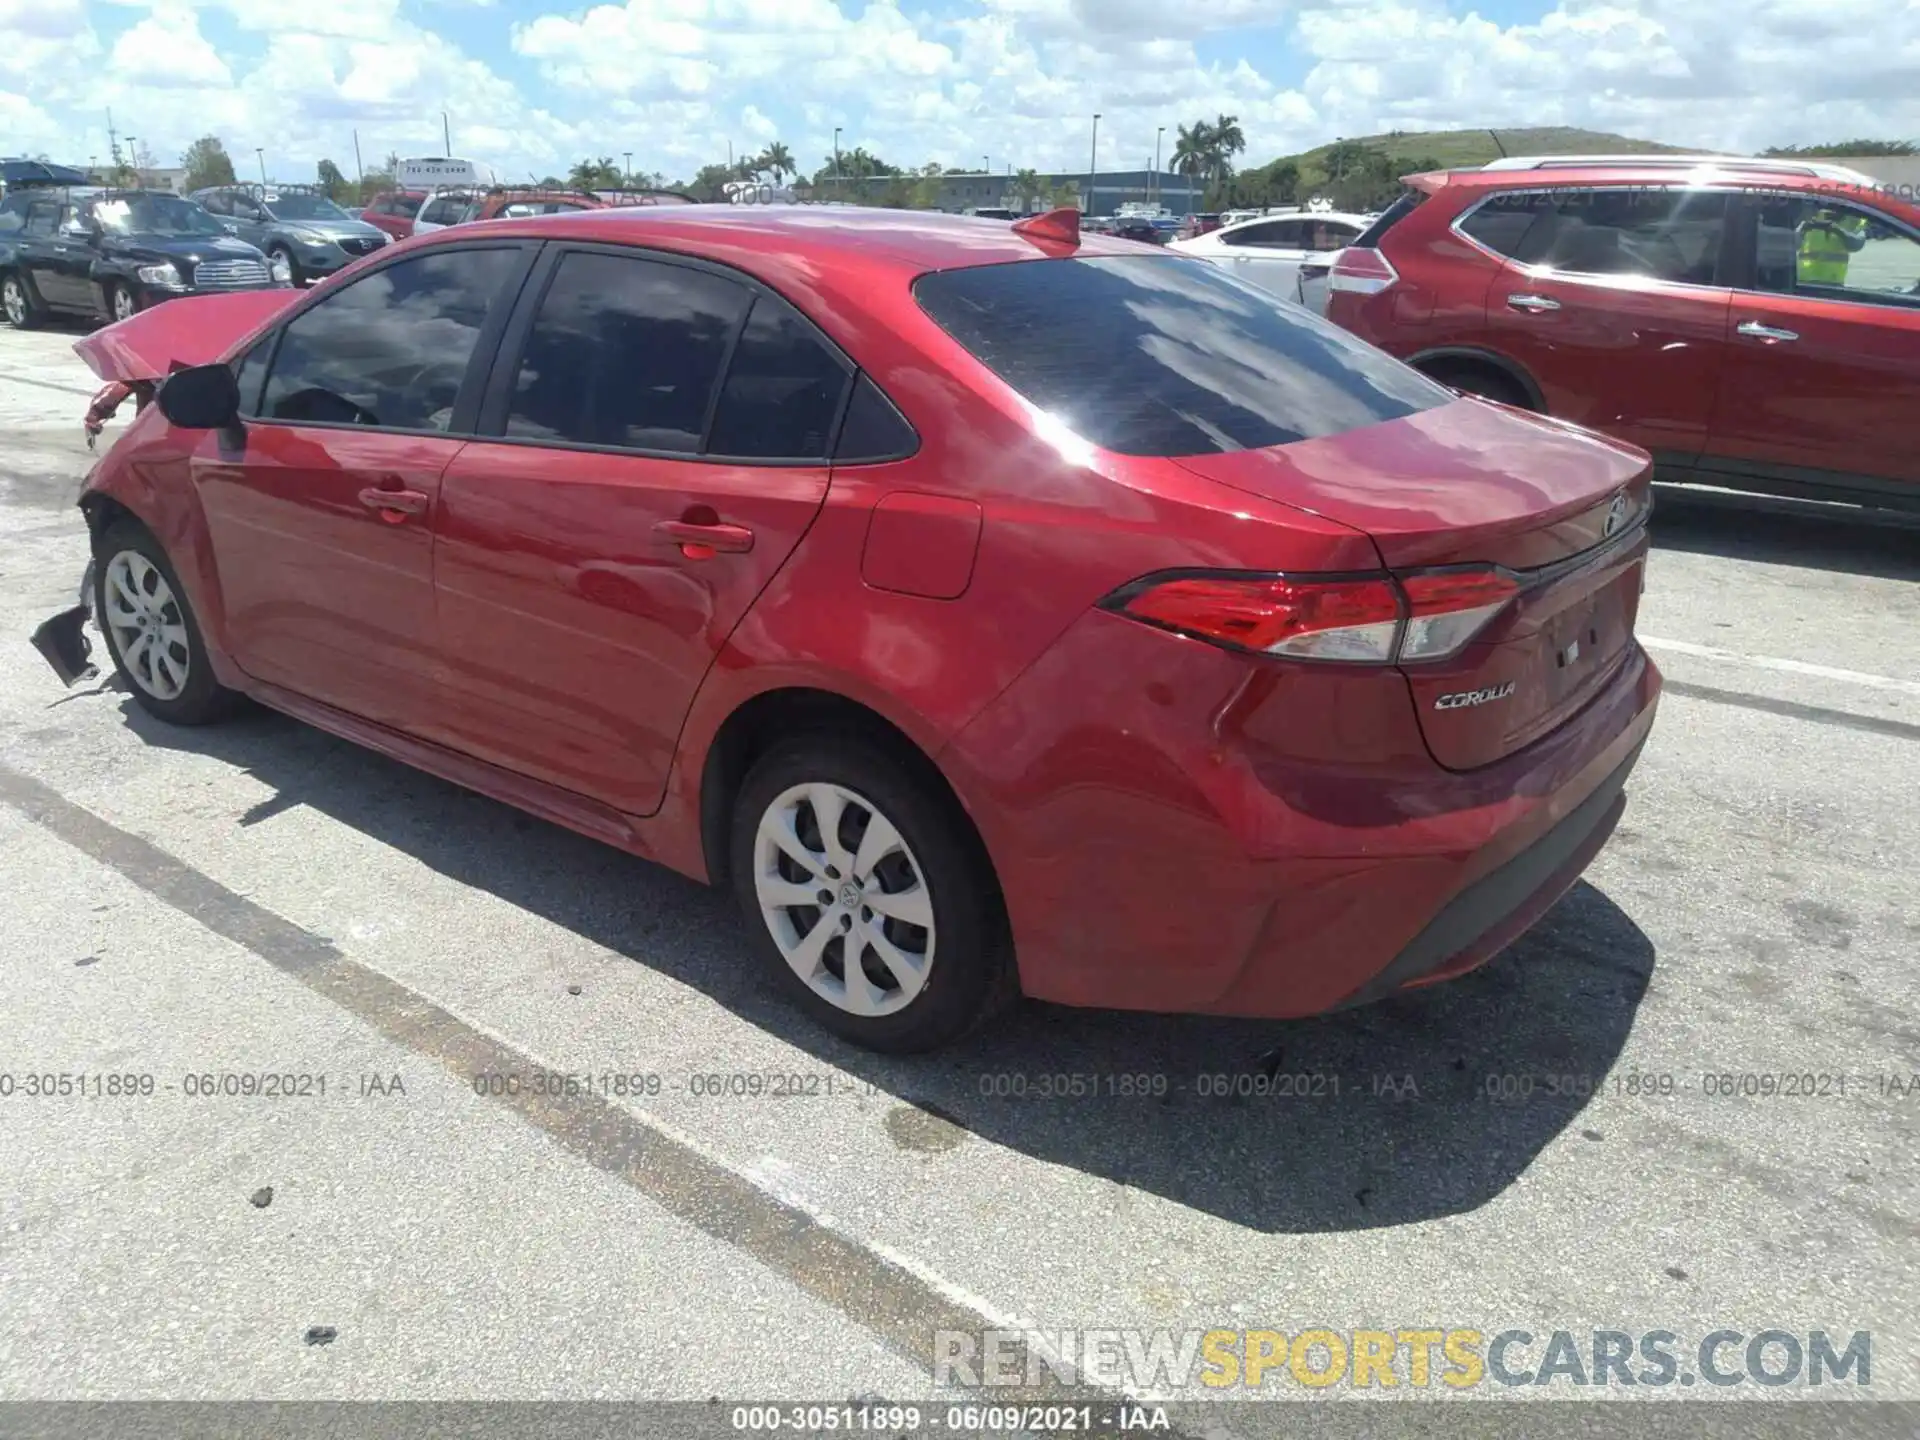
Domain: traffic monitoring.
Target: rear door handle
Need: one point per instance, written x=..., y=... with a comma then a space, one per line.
x=1533, y=303
x=393, y=506
x=1766, y=332
x=693, y=537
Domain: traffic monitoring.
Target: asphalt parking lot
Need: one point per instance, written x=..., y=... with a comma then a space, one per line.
x=258, y=898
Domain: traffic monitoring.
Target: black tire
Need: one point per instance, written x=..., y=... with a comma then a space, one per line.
x=1486, y=382
x=281, y=252
x=201, y=699
x=18, y=303
x=121, y=295
x=970, y=975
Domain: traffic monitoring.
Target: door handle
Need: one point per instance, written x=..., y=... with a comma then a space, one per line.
x=699, y=541
x=393, y=506
x=1532, y=303
x=1766, y=332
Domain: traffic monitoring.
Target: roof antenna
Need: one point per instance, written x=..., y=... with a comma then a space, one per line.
x=1056, y=227
x=1497, y=145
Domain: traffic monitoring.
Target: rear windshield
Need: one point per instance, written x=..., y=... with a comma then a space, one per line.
x=1168, y=356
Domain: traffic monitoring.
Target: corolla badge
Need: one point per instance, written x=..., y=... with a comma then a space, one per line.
x=1465, y=699
x=1617, y=515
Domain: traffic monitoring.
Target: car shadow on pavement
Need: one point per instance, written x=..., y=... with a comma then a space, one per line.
x=1422, y=1106
x=1810, y=536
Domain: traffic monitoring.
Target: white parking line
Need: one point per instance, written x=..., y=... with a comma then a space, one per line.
x=1791, y=667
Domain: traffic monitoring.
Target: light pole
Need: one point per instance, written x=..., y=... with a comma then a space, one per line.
x=133, y=160
x=1158, y=136
x=838, y=178
x=1093, y=164
x=260, y=154
x=446, y=133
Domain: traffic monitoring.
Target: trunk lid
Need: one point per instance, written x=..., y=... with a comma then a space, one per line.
x=1560, y=510
x=193, y=330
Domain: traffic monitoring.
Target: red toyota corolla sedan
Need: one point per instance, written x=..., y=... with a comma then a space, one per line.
x=998, y=611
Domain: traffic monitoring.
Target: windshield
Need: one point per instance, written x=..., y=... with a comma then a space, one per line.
x=155, y=215
x=306, y=207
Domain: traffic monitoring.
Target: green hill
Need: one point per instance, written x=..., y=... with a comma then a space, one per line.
x=1365, y=170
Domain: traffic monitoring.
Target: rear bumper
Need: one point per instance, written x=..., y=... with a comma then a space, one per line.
x=1175, y=831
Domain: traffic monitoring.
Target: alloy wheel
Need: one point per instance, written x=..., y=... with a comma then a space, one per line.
x=15, y=300
x=845, y=899
x=280, y=265
x=123, y=306
x=148, y=630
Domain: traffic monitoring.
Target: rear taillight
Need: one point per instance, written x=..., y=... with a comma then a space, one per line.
x=1359, y=271
x=1365, y=620
x=1447, y=608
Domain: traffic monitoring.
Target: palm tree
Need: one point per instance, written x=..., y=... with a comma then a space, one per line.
x=777, y=160
x=1227, y=143
x=1193, y=150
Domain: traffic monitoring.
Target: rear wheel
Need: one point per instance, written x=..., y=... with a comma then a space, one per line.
x=1484, y=381
x=17, y=302
x=868, y=895
x=150, y=629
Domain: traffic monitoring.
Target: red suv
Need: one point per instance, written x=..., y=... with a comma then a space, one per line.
x=394, y=210
x=1753, y=323
x=996, y=610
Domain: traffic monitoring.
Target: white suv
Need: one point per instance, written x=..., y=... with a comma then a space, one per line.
x=1269, y=251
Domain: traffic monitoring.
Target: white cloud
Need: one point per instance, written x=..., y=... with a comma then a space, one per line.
x=167, y=50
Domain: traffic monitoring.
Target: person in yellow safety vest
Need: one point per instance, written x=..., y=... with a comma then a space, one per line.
x=1827, y=238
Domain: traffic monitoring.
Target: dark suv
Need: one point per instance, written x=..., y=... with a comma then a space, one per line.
x=304, y=234
x=111, y=253
x=1753, y=323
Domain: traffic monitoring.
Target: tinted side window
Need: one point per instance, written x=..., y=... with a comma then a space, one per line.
x=1809, y=246
x=43, y=219
x=1167, y=356
x=1279, y=234
x=873, y=429
x=1502, y=221
x=1663, y=234
x=13, y=214
x=391, y=348
x=250, y=373
x=405, y=206
x=625, y=352
x=783, y=389
x=218, y=203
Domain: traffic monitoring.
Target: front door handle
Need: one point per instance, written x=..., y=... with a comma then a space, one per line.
x=1766, y=332
x=393, y=506
x=698, y=541
x=1532, y=303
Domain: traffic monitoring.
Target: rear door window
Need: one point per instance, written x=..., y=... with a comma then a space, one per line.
x=1659, y=232
x=1166, y=356
x=625, y=352
x=783, y=391
x=1274, y=235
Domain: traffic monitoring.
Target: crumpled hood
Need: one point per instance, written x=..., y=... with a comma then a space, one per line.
x=193, y=330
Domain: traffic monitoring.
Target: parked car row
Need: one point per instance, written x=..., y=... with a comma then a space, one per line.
x=90, y=252
x=403, y=213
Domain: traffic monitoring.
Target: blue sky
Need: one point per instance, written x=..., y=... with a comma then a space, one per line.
x=532, y=85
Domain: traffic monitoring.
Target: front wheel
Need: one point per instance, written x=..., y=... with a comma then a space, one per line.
x=868, y=895
x=18, y=303
x=122, y=303
x=150, y=629
x=282, y=266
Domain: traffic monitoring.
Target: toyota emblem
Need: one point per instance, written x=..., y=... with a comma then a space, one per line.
x=1616, y=515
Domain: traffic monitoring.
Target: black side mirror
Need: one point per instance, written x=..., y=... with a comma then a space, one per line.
x=204, y=397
